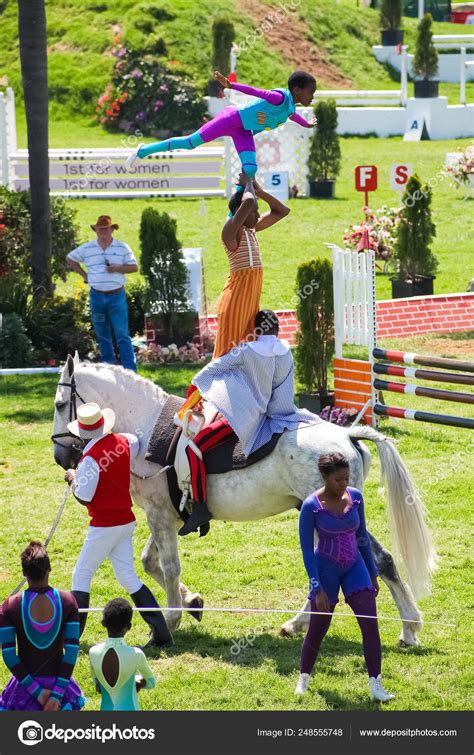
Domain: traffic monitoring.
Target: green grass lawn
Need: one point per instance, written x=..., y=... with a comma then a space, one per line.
x=255, y=565
x=311, y=223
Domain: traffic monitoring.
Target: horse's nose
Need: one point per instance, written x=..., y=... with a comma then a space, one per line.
x=60, y=457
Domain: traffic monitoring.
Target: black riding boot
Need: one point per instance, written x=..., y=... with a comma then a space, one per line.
x=160, y=634
x=200, y=516
x=82, y=600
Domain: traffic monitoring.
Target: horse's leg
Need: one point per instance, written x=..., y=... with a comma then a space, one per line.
x=192, y=600
x=151, y=564
x=401, y=594
x=162, y=561
x=298, y=623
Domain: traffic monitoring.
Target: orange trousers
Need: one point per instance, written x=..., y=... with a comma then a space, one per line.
x=238, y=304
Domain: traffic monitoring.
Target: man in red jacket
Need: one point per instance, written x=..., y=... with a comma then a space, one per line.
x=101, y=482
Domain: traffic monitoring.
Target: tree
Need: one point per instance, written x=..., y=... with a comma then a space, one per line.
x=315, y=313
x=163, y=266
x=391, y=14
x=425, y=62
x=415, y=232
x=223, y=34
x=34, y=72
x=325, y=152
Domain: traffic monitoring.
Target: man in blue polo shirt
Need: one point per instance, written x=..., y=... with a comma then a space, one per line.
x=107, y=262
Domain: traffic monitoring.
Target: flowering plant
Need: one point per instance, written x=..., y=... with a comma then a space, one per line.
x=338, y=416
x=463, y=166
x=191, y=353
x=377, y=231
x=146, y=94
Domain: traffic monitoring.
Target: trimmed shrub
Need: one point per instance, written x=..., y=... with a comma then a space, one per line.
x=315, y=312
x=425, y=62
x=415, y=231
x=15, y=246
x=60, y=325
x=391, y=14
x=16, y=349
x=325, y=152
x=163, y=266
x=223, y=35
x=138, y=296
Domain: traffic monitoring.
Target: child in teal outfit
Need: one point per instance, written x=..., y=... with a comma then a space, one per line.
x=272, y=108
x=119, y=670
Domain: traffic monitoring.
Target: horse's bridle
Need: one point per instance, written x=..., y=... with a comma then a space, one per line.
x=72, y=416
x=77, y=446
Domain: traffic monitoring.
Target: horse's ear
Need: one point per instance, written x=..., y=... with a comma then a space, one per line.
x=70, y=365
x=77, y=358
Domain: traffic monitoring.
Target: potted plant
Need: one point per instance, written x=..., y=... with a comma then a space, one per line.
x=315, y=337
x=325, y=152
x=377, y=231
x=416, y=262
x=223, y=35
x=461, y=167
x=425, y=62
x=391, y=21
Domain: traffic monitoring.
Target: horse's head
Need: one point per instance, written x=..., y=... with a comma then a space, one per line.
x=67, y=447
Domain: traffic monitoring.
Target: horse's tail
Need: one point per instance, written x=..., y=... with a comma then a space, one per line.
x=411, y=537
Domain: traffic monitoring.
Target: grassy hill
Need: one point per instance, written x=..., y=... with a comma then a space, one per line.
x=333, y=39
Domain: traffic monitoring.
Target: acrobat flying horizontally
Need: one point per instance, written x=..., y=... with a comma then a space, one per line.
x=272, y=108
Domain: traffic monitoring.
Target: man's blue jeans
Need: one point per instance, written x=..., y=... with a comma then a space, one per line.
x=109, y=313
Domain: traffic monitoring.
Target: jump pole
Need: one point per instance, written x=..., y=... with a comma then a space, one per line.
x=418, y=390
x=355, y=323
x=407, y=357
x=412, y=372
x=437, y=419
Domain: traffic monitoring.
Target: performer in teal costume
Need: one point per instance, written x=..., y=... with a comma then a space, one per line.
x=272, y=108
x=119, y=671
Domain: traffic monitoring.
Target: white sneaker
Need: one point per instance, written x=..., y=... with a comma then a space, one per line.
x=133, y=158
x=303, y=684
x=377, y=692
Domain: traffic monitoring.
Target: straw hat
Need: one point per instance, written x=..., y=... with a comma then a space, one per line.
x=104, y=221
x=92, y=421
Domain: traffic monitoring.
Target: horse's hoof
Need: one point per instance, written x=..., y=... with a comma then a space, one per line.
x=287, y=631
x=196, y=603
x=414, y=643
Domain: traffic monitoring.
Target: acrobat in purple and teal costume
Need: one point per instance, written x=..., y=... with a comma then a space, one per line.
x=47, y=651
x=274, y=106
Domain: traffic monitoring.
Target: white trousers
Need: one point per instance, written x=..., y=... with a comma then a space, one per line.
x=114, y=543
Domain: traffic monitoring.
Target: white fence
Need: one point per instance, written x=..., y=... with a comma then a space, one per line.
x=102, y=173
x=7, y=132
x=354, y=298
x=450, y=65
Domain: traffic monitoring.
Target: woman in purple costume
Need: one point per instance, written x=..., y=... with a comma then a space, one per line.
x=44, y=623
x=343, y=558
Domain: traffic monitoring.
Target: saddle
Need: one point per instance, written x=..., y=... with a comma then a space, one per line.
x=167, y=447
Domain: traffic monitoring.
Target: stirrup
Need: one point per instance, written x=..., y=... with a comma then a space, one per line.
x=191, y=424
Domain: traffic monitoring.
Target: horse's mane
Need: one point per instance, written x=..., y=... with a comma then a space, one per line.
x=147, y=385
